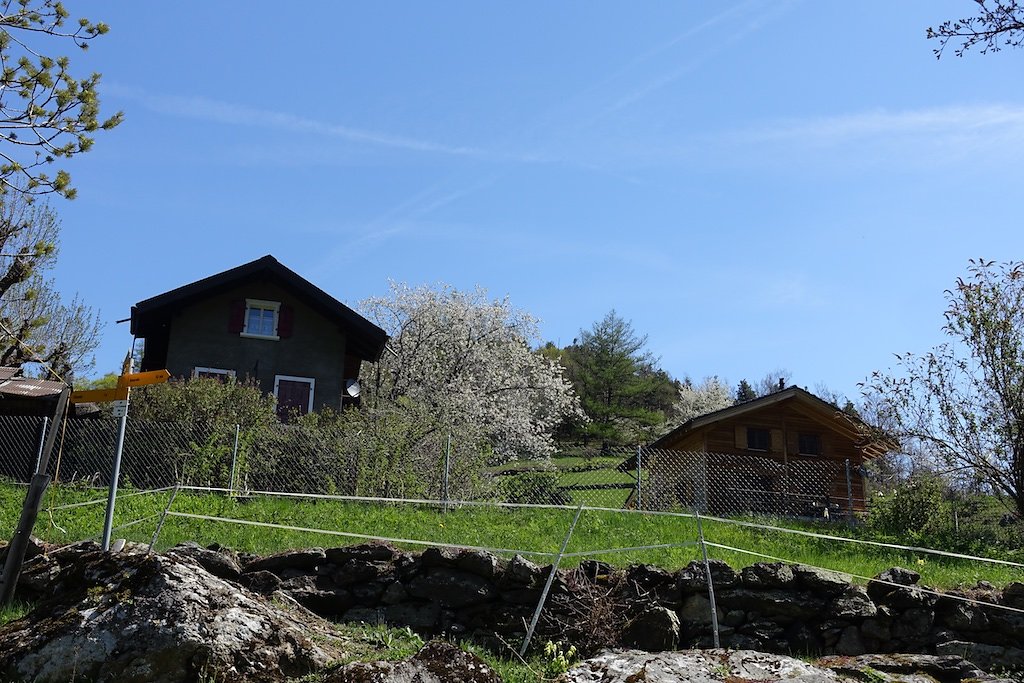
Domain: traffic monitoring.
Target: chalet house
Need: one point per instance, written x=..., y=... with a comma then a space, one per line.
x=260, y=321
x=785, y=453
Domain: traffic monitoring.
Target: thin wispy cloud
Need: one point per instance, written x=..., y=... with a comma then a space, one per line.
x=956, y=120
x=206, y=109
x=755, y=21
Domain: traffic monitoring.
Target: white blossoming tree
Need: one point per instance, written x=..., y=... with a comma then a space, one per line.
x=699, y=399
x=459, y=366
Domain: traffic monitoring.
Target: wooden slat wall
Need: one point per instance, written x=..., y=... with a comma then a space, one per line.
x=721, y=437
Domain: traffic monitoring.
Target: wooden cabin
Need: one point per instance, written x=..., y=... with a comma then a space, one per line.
x=788, y=452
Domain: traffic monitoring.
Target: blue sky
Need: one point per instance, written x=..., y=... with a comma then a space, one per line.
x=755, y=185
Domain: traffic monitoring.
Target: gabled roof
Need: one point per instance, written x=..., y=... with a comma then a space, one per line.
x=805, y=402
x=366, y=340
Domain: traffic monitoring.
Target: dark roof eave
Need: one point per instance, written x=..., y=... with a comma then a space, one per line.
x=367, y=340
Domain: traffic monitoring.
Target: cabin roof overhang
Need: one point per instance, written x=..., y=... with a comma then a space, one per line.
x=801, y=401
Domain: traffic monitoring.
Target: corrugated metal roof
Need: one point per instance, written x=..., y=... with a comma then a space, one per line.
x=12, y=384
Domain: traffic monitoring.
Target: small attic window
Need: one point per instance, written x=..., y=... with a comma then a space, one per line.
x=810, y=444
x=261, y=319
x=759, y=439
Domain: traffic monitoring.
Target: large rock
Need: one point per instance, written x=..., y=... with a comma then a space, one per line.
x=301, y=560
x=768, y=575
x=821, y=580
x=784, y=606
x=654, y=630
x=730, y=666
x=853, y=603
x=704, y=666
x=134, y=617
x=219, y=563
x=693, y=577
x=887, y=581
x=907, y=667
x=452, y=587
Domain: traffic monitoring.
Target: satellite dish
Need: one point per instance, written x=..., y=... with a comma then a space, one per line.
x=352, y=388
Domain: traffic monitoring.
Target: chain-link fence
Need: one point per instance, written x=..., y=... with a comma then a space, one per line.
x=298, y=459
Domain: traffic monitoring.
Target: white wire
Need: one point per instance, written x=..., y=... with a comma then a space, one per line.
x=660, y=546
x=923, y=589
x=104, y=500
x=684, y=515
x=877, y=544
x=347, y=534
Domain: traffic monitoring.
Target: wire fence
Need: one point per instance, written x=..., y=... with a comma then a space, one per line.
x=296, y=459
x=303, y=465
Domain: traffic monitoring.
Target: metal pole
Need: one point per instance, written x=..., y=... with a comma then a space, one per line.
x=639, y=478
x=711, y=586
x=234, y=463
x=42, y=441
x=447, y=472
x=160, y=524
x=547, y=586
x=108, y=519
x=849, y=491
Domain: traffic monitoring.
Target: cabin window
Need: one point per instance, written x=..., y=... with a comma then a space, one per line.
x=213, y=373
x=261, y=318
x=759, y=439
x=810, y=444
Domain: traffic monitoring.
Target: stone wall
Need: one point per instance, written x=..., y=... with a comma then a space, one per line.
x=774, y=607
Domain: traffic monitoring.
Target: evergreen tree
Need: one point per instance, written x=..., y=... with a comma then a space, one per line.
x=745, y=392
x=625, y=395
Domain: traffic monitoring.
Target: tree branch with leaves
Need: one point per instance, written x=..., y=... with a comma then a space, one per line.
x=998, y=24
x=36, y=325
x=964, y=400
x=46, y=113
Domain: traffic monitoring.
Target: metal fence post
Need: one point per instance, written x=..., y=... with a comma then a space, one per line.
x=234, y=463
x=447, y=472
x=849, y=491
x=547, y=586
x=703, y=499
x=42, y=440
x=115, y=474
x=711, y=585
x=639, y=477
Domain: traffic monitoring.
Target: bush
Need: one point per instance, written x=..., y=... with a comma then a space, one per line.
x=918, y=508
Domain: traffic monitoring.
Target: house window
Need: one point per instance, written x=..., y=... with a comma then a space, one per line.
x=213, y=373
x=759, y=439
x=810, y=444
x=294, y=395
x=261, y=318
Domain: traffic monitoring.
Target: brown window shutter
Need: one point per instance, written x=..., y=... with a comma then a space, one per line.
x=777, y=445
x=236, y=321
x=285, y=321
x=741, y=437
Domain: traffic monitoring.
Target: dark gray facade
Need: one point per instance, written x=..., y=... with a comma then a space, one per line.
x=309, y=339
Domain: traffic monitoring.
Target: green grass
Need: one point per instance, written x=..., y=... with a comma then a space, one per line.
x=518, y=529
x=12, y=611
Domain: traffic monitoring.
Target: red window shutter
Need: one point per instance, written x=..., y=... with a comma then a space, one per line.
x=236, y=321
x=285, y=321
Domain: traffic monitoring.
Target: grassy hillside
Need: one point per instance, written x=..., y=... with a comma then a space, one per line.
x=512, y=529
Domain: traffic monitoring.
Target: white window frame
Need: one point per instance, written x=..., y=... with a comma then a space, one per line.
x=264, y=305
x=212, y=371
x=292, y=378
